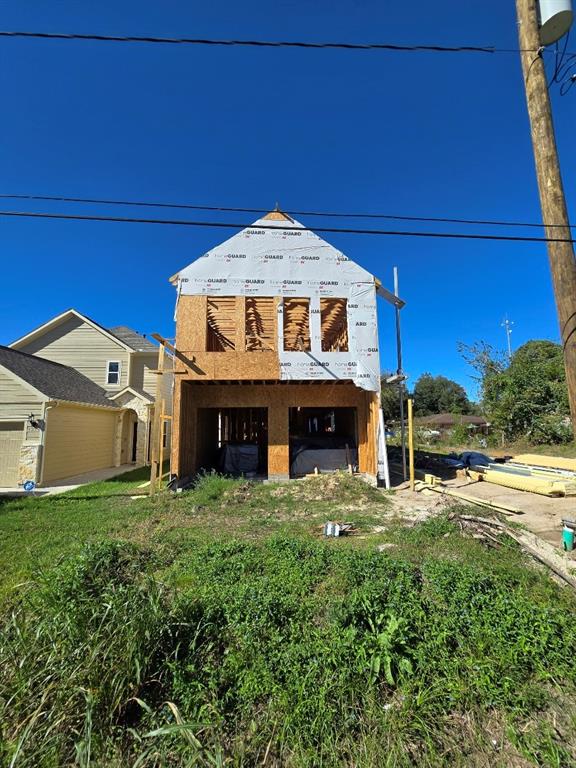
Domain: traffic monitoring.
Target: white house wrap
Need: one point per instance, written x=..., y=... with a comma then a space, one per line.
x=276, y=258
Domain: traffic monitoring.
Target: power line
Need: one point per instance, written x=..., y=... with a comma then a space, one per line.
x=259, y=43
x=228, y=209
x=229, y=225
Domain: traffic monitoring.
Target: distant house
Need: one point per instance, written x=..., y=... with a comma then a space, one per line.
x=445, y=422
x=91, y=389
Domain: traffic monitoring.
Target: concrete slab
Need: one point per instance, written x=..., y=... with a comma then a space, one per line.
x=70, y=483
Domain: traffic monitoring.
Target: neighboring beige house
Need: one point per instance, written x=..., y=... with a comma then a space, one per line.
x=55, y=422
x=117, y=362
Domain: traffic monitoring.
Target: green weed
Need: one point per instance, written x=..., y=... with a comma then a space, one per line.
x=287, y=652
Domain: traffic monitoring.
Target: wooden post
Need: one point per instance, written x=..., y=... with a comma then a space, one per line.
x=411, y=442
x=155, y=467
x=161, y=443
x=553, y=203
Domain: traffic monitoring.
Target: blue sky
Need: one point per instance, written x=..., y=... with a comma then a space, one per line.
x=410, y=134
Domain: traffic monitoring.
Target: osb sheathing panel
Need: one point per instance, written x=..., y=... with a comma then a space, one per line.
x=197, y=364
x=191, y=323
x=183, y=458
x=228, y=366
x=278, y=398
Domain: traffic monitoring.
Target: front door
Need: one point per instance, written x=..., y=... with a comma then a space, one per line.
x=134, y=440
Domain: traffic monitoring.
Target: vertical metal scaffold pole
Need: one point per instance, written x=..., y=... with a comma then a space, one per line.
x=400, y=374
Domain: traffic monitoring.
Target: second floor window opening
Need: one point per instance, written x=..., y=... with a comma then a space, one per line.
x=297, y=325
x=260, y=324
x=334, y=325
x=221, y=320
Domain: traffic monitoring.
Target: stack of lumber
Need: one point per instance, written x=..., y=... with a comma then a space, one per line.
x=553, y=462
x=542, y=478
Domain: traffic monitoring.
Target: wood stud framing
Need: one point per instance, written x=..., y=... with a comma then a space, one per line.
x=277, y=398
x=161, y=418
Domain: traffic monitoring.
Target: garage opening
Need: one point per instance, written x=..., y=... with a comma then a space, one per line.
x=233, y=441
x=323, y=440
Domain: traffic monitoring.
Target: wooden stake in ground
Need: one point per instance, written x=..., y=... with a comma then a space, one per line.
x=554, y=212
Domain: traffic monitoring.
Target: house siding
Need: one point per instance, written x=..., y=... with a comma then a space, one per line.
x=141, y=376
x=77, y=344
x=78, y=440
x=17, y=401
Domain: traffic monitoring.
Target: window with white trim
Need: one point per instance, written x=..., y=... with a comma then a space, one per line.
x=113, y=372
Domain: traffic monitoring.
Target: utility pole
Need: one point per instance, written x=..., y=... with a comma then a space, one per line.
x=552, y=200
x=507, y=324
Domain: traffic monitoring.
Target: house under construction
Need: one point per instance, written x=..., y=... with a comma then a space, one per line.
x=276, y=360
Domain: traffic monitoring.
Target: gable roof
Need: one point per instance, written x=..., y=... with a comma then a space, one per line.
x=273, y=253
x=135, y=391
x=274, y=249
x=136, y=341
x=55, y=321
x=56, y=381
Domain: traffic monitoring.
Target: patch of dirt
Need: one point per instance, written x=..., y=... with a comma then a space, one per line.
x=415, y=507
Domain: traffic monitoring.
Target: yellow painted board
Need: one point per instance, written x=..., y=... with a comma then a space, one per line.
x=555, y=462
x=532, y=484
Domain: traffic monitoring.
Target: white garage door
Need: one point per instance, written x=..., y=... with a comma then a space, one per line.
x=11, y=435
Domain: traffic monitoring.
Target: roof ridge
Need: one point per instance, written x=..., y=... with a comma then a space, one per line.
x=128, y=328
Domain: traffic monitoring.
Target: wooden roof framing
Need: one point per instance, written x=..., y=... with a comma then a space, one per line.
x=334, y=324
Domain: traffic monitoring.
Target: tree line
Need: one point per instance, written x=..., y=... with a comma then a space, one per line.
x=522, y=398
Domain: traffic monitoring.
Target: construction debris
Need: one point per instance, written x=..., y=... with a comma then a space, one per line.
x=338, y=529
x=537, y=548
x=439, y=488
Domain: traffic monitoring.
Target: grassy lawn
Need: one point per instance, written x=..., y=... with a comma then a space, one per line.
x=216, y=627
x=567, y=450
x=35, y=532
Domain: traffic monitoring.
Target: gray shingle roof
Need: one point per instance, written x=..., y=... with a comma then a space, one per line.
x=133, y=339
x=450, y=419
x=53, y=379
